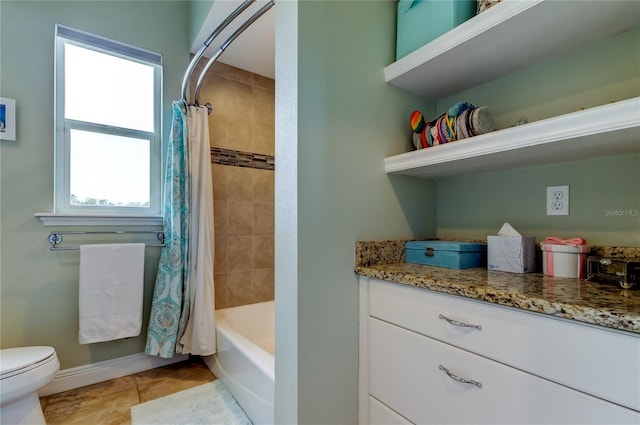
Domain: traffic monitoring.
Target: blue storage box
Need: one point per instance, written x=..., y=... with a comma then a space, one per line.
x=420, y=21
x=450, y=254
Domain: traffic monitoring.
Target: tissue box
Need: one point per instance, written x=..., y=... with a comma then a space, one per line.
x=515, y=254
x=564, y=260
x=450, y=254
x=420, y=21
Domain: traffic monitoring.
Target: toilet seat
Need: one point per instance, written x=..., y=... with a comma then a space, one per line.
x=14, y=361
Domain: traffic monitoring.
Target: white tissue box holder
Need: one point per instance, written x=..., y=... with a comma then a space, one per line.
x=514, y=254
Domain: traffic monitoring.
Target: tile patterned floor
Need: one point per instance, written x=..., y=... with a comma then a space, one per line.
x=109, y=403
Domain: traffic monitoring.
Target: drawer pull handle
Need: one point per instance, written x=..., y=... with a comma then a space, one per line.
x=461, y=324
x=459, y=379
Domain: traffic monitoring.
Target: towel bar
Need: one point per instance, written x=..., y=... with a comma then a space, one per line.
x=55, y=238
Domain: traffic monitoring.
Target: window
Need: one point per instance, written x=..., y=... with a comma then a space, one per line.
x=107, y=143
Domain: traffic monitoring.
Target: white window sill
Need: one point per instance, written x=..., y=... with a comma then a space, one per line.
x=54, y=219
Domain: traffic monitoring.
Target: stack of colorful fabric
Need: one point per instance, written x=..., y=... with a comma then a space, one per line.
x=462, y=120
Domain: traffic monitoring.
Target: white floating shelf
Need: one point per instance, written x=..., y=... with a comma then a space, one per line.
x=607, y=130
x=510, y=35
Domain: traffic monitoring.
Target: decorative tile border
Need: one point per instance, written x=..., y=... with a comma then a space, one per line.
x=222, y=156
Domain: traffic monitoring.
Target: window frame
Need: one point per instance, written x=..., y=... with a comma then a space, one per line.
x=62, y=196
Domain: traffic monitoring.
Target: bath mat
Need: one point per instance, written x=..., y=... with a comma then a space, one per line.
x=208, y=404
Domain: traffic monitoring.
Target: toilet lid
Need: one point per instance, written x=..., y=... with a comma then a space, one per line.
x=13, y=359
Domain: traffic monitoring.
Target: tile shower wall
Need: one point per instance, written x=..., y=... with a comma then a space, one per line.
x=241, y=130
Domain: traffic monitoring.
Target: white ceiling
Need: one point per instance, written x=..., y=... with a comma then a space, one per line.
x=253, y=50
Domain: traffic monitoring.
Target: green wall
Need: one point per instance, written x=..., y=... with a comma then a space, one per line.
x=474, y=206
x=39, y=302
x=590, y=75
x=477, y=206
x=348, y=119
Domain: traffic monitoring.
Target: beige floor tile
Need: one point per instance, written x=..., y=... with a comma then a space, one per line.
x=110, y=409
x=90, y=392
x=110, y=402
x=170, y=379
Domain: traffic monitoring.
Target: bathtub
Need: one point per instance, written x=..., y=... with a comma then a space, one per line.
x=244, y=361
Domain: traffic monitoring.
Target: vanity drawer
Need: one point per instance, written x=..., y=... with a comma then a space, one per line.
x=406, y=374
x=591, y=359
x=380, y=414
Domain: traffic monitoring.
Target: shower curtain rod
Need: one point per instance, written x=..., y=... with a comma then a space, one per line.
x=226, y=44
x=207, y=42
x=196, y=58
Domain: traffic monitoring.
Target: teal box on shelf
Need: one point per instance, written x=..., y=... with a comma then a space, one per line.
x=450, y=254
x=420, y=21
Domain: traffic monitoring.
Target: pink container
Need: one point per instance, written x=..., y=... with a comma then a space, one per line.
x=564, y=260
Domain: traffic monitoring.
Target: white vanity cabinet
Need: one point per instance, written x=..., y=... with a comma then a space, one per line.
x=428, y=357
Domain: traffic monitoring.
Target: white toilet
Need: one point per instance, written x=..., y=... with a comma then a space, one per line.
x=23, y=372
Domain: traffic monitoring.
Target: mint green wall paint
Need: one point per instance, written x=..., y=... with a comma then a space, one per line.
x=348, y=120
x=198, y=12
x=604, y=202
x=39, y=302
x=473, y=206
x=590, y=75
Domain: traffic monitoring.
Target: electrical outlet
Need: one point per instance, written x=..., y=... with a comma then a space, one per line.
x=558, y=200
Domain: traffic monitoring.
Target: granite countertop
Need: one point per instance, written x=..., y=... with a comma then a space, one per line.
x=595, y=303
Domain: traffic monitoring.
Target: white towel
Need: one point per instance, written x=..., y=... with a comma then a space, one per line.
x=110, y=293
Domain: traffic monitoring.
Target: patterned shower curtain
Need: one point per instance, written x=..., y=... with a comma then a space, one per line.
x=183, y=310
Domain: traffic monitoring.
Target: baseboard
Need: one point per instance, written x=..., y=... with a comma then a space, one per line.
x=76, y=377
